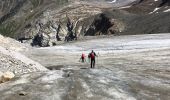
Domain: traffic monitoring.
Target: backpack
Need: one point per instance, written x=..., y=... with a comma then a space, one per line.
x=89, y=55
x=92, y=55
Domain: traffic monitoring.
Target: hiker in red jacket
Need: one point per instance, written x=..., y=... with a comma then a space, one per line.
x=83, y=56
x=92, y=56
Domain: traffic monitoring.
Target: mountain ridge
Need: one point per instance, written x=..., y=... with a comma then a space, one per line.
x=79, y=11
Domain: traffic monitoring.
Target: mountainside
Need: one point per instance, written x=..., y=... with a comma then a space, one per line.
x=149, y=6
x=19, y=18
x=152, y=17
x=139, y=17
x=25, y=19
x=15, y=15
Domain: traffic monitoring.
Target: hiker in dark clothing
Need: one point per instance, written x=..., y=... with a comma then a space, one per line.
x=92, y=56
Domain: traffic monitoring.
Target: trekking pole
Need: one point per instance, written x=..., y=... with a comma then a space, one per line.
x=96, y=62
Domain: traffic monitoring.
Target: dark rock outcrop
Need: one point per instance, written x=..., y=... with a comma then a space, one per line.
x=165, y=2
x=100, y=25
x=41, y=39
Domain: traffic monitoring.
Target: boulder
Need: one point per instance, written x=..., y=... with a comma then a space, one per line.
x=1, y=76
x=4, y=77
x=41, y=39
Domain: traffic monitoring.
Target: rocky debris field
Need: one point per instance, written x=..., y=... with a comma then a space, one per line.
x=9, y=62
x=12, y=60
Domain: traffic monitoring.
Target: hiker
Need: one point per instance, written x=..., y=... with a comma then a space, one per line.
x=92, y=56
x=83, y=56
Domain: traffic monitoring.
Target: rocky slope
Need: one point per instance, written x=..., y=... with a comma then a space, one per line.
x=21, y=18
x=13, y=61
x=120, y=17
x=152, y=17
x=149, y=6
x=15, y=15
x=139, y=17
x=11, y=44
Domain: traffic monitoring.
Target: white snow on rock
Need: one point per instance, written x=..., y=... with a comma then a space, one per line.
x=124, y=7
x=156, y=9
x=114, y=1
x=168, y=10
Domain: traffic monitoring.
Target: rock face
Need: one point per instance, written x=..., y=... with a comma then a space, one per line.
x=41, y=40
x=127, y=17
x=100, y=25
x=20, y=16
x=149, y=6
x=103, y=24
x=16, y=15
x=150, y=14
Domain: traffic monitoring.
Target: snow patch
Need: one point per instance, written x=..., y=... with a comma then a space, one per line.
x=156, y=9
x=113, y=45
x=114, y=1
x=21, y=81
x=104, y=80
x=64, y=48
x=168, y=10
x=124, y=7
